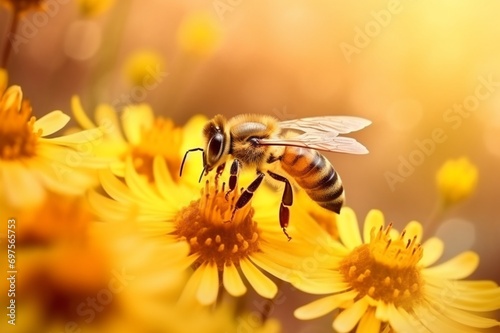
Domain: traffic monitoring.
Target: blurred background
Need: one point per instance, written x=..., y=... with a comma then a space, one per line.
x=426, y=73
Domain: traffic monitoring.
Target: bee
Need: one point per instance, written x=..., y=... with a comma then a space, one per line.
x=287, y=151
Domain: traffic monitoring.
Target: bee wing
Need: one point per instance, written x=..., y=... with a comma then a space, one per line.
x=319, y=141
x=328, y=124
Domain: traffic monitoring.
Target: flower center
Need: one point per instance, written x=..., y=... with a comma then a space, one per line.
x=17, y=138
x=385, y=269
x=162, y=139
x=206, y=224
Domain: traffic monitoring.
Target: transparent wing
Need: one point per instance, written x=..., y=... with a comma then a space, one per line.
x=319, y=141
x=334, y=125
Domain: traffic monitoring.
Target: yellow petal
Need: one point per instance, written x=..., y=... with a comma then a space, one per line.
x=51, y=122
x=347, y=319
x=369, y=323
x=400, y=322
x=86, y=139
x=323, y=306
x=374, y=220
x=348, y=228
x=80, y=116
x=469, y=319
x=188, y=295
x=135, y=120
x=164, y=184
x=107, y=120
x=12, y=98
x=232, y=281
x=449, y=294
x=433, y=250
x=19, y=185
x=381, y=311
x=68, y=182
x=139, y=185
x=413, y=229
x=209, y=284
x=261, y=283
x=458, y=267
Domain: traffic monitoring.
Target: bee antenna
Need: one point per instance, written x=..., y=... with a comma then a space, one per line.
x=185, y=156
x=202, y=172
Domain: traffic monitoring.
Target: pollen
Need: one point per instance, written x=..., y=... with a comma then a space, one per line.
x=17, y=137
x=385, y=269
x=219, y=239
x=164, y=139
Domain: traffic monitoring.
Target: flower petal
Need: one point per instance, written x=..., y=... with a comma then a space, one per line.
x=450, y=294
x=347, y=319
x=107, y=119
x=80, y=116
x=91, y=138
x=19, y=186
x=369, y=323
x=51, y=122
x=190, y=290
x=349, y=229
x=233, y=282
x=323, y=306
x=458, y=267
x=263, y=285
x=398, y=321
x=136, y=119
x=12, y=97
x=374, y=220
x=468, y=319
x=432, y=251
x=413, y=229
x=209, y=284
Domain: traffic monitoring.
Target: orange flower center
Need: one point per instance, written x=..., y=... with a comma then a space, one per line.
x=206, y=224
x=163, y=139
x=386, y=270
x=17, y=138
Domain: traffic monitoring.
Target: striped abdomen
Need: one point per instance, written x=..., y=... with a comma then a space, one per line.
x=315, y=174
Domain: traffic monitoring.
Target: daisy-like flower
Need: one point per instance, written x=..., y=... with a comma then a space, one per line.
x=31, y=163
x=142, y=66
x=387, y=282
x=142, y=136
x=222, y=250
x=79, y=274
x=456, y=180
x=199, y=34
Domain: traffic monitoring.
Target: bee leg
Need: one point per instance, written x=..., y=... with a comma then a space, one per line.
x=233, y=178
x=247, y=194
x=219, y=170
x=286, y=201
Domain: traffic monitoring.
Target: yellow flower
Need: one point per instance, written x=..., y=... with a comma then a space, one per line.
x=87, y=273
x=387, y=280
x=31, y=163
x=140, y=65
x=142, y=136
x=456, y=180
x=221, y=249
x=199, y=34
x=94, y=7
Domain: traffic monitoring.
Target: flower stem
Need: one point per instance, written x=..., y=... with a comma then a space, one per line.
x=8, y=44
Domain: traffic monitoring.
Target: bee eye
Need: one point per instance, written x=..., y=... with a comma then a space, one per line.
x=215, y=148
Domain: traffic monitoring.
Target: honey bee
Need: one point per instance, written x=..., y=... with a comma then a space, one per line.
x=280, y=149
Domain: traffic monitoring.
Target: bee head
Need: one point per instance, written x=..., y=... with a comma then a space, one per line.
x=217, y=143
